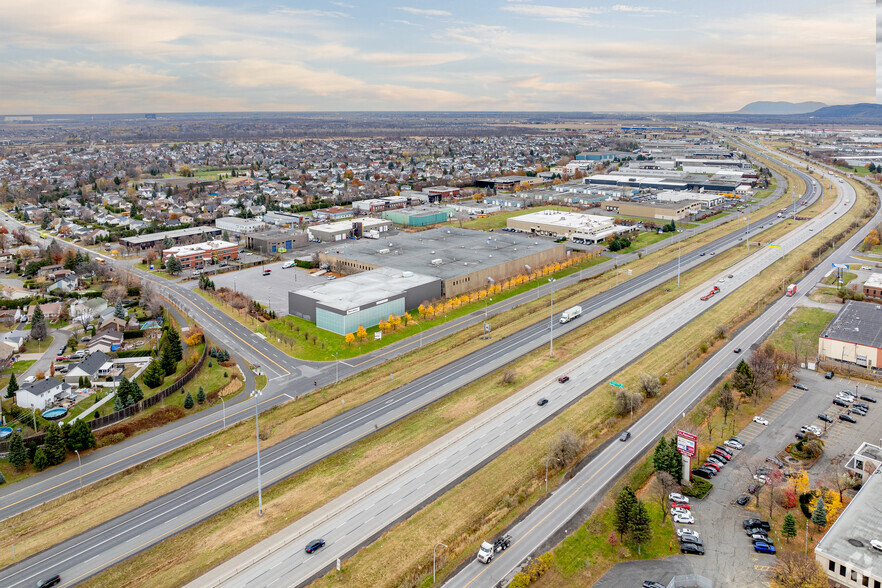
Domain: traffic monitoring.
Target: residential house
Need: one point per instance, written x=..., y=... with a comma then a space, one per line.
x=114, y=324
x=42, y=394
x=51, y=310
x=96, y=366
x=66, y=284
x=105, y=342
x=10, y=317
x=90, y=306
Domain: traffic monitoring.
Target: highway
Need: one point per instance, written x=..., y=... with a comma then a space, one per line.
x=89, y=552
x=378, y=503
x=288, y=377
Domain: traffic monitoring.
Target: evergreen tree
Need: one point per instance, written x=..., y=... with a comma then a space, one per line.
x=173, y=265
x=167, y=361
x=743, y=378
x=788, y=529
x=640, y=527
x=119, y=312
x=38, y=324
x=819, y=516
x=80, y=436
x=18, y=455
x=53, y=445
x=41, y=461
x=624, y=506
x=135, y=393
x=154, y=374
x=173, y=340
x=12, y=387
x=660, y=456
x=200, y=395
x=188, y=401
x=167, y=243
x=675, y=461
x=121, y=398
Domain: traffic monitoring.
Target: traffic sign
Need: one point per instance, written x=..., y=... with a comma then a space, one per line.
x=616, y=384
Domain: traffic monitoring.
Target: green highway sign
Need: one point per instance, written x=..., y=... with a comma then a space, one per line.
x=616, y=384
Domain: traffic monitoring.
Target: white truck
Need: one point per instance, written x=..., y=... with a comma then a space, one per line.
x=489, y=550
x=570, y=314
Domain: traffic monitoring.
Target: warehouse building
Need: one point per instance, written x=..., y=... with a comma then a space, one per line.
x=602, y=155
x=178, y=237
x=506, y=183
x=707, y=200
x=240, y=226
x=418, y=216
x=592, y=228
x=873, y=286
x=439, y=193
x=462, y=259
x=346, y=229
x=199, y=255
x=854, y=335
x=363, y=299
x=276, y=241
x=851, y=550
x=655, y=209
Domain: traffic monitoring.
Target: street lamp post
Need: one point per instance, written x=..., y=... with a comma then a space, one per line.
x=551, y=320
x=224, y=407
x=433, y=559
x=337, y=373
x=256, y=394
x=547, y=459
x=80, y=467
x=420, y=327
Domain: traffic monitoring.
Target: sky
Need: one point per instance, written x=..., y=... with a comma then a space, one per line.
x=116, y=56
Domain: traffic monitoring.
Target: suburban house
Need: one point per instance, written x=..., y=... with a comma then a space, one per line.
x=6, y=355
x=117, y=324
x=98, y=365
x=105, y=341
x=42, y=393
x=65, y=284
x=51, y=311
x=91, y=306
x=14, y=339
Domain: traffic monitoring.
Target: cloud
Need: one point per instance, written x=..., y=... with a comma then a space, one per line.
x=640, y=9
x=407, y=23
x=424, y=11
x=413, y=59
x=572, y=15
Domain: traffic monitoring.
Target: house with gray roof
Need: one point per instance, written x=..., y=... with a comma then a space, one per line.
x=42, y=393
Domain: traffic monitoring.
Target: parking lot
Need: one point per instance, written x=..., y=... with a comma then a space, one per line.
x=271, y=290
x=729, y=558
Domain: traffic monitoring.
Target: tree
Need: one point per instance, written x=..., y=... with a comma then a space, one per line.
x=624, y=507
x=650, y=385
x=12, y=387
x=361, y=332
x=762, y=367
x=167, y=360
x=819, y=515
x=726, y=400
x=121, y=399
x=38, y=324
x=626, y=402
x=188, y=401
x=675, y=461
x=350, y=338
x=795, y=570
x=743, y=379
x=135, y=393
x=665, y=484
x=640, y=527
x=200, y=395
x=119, y=312
x=41, y=461
x=154, y=374
x=53, y=444
x=173, y=265
x=664, y=461
x=173, y=340
x=18, y=455
x=80, y=436
x=788, y=529
x=566, y=447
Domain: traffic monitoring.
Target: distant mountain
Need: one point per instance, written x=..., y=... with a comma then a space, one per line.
x=775, y=108
x=863, y=111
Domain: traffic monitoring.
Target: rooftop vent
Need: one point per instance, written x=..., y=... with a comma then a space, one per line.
x=383, y=251
x=437, y=262
x=855, y=543
x=877, y=545
x=406, y=274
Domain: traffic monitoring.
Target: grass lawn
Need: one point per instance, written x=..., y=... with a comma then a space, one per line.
x=805, y=324
x=83, y=405
x=32, y=346
x=170, y=379
x=717, y=216
x=158, y=273
x=846, y=278
x=20, y=367
x=498, y=220
x=645, y=239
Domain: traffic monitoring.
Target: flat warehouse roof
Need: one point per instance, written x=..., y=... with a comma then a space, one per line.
x=171, y=234
x=444, y=253
x=364, y=288
x=566, y=220
x=857, y=322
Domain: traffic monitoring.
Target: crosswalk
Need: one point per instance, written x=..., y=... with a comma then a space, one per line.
x=780, y=406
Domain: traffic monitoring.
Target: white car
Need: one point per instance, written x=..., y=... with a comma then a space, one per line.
x=733, y=444
x=676, y=510
x=760, y=420
x=288, y=264
x=676, y=497
x=688, y=533
x=29, y=380
x=684, y=519
x=761, y=478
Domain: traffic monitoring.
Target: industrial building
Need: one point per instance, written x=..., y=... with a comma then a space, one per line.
x=654, y=209
x=509, y=182
x=199, y=255
x=873, y=286
x=335, y=213
x=380, y=204
x=707, y=200
x=602, y=155
x=353, y=228
x=439, y=193
x=418, y=216
x=592, y=228
x=178, y=237
x=276, y=241
x=851, y=550
x=362, y=299
x=854, y=335
x=240, y=226
x=462, y=259
x=285, y=219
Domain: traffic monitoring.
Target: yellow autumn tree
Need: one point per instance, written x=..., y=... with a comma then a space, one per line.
x=194, y=336
x=831, y=503
x=384, y=325
x=801, y=483
x=406, y=318
x=361, y=332
x=350, y=338
x=421, y=309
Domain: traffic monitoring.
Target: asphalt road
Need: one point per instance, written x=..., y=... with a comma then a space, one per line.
x=397, y=492
x=336, y=434
x=289, y=377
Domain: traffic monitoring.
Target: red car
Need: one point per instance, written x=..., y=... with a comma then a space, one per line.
x=563, y=379
x=681, y=505
x=715, y=466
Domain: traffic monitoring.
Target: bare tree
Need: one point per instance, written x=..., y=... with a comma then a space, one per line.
x=650, y=385
x=84, y=318
x=114, y=294
x=754, y=469
x=762, y=367
x=773, y=479
x=566, y=447
x=665, y=484
x=796, y=570
x=726, y=401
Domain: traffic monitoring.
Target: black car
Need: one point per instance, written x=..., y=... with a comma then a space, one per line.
x=689, y=548
x=737, y=350
x=862, y=405
x=800, y=436
x=868, y=398
x=829, y=375
x=702, y=473
x=690, y=539
x=648, y=584
x=838, y=402
x=752, y=488
x=743, y=499
x=625, y=436
x=826, y=418
x=756, y=523
x=315, y=545
x=542, y=401
x=856, y=410
x=736, y=439
x=710, y=471
x=799, y=386
x=847, y=418
x=47, y=582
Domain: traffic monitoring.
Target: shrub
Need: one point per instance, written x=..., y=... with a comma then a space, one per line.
x=699, y=488
x=188, y=401
x=41, y=462
x=804, y=500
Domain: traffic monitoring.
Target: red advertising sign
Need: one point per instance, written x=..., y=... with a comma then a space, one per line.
x=686, y=443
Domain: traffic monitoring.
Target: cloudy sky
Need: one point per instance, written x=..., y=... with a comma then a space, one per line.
x=92, y=56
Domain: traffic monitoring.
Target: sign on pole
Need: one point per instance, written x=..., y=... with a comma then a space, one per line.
x=616, y=384
x=686, y=443
x=840, y=265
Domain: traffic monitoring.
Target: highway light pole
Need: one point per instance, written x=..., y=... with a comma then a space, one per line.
x=551, y=320
x=433, y=559
x=256, y=394
x=547, y=459
x=421, y=333
x=337, y=374
x=80, y=467
x=224, y=407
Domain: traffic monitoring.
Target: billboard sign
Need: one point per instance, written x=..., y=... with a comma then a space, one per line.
x=840, y=265
x=686, y=443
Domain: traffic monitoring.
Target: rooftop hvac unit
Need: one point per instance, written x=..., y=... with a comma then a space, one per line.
x=383, y=251
x=437, y=262
x=406, y=274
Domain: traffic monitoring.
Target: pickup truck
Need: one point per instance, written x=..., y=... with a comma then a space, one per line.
x=489, y=550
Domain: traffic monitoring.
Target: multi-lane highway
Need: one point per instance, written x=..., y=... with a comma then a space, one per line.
x=142, y=527
x=381, y=501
